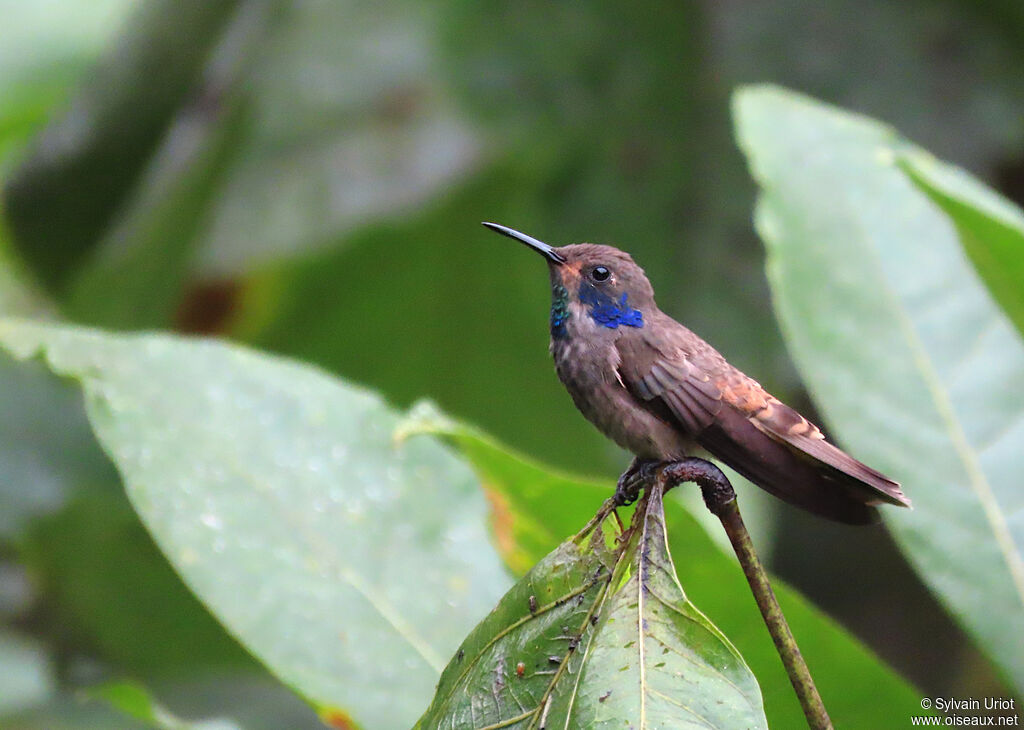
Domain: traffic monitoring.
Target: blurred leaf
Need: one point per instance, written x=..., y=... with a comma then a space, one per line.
x=46, y=448
x=991, y=228
x=16, y=592
x=533, y=508
x=81, y=168
x=43, y=54
x=577, y=645
x=37, y=39
x=19, y=294
x=906, y=353
x=349, y=125
x=950, y=82
x=252, y=701
x=26, y=677
x=109, y=592
x=312, y=159
x=17, y=297
x=346, y=564
x=135, y=277
x=135, y=701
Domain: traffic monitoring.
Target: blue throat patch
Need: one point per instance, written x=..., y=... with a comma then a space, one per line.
x=606, y=311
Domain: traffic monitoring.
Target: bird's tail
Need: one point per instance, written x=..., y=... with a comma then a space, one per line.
x=821, y=478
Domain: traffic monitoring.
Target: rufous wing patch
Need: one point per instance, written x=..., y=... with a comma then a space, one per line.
x=780, y=422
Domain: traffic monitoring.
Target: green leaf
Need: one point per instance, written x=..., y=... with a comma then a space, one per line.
x=573, y=645
x=533, y=626
x=347, y=564
x=991, y=228
x=534, y=506
x=911, y=361
x=135, y=701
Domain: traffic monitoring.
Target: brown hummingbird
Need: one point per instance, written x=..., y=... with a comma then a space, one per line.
x=660, y=391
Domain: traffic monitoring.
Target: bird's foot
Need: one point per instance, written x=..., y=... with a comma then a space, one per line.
x=639, y=473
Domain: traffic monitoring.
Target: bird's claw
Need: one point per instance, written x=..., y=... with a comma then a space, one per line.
x=639, y=474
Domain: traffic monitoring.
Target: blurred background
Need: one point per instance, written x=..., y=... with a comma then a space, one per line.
x=308, y=177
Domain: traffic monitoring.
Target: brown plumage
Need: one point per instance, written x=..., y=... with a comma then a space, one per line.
x=661, y=391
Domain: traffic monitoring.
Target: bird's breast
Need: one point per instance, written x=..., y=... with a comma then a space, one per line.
x=589, y=371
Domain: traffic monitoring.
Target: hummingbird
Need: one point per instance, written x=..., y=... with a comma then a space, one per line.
x=661, y=392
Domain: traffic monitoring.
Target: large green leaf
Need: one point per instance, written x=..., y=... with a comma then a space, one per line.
x=534, y=507
x=103, y=588
x=910, y=359
x=348, y=565
x=574, y=645
x=991, y=228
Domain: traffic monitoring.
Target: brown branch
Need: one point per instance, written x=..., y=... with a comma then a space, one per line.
x=721, y=501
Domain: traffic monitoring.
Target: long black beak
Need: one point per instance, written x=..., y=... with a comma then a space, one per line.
x=539, y=246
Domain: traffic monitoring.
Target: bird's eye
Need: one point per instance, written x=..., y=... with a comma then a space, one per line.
x=600, y=273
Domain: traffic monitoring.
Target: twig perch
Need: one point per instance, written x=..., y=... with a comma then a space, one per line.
x=721, y=501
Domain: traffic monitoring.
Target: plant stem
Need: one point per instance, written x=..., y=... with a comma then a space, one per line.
x=720, y=499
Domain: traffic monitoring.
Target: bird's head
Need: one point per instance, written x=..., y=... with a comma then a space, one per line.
x=588, y=280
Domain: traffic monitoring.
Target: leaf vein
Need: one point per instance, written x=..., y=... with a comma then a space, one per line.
x=961, y=444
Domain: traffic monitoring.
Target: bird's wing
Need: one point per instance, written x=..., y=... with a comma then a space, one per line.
x=668, y=379
x=685, y=381
x=780, y=422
